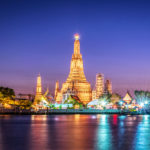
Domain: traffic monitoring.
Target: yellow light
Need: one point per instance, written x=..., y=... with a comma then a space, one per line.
x=76, y=36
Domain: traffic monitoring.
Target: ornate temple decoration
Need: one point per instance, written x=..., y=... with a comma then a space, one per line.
x=39, y=88
x=76, y=80
x=127, y=98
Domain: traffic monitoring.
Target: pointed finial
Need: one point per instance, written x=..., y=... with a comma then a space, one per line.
x=77, y=36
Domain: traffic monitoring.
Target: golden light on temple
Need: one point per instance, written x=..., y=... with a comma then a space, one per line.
x=39, y=87
x=76, y=80
x=77, y=36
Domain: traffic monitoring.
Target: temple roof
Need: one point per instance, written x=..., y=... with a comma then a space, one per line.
x=127, y=97
x=94, y=102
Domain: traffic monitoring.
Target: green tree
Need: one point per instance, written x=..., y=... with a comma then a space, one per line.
x=115, y=98
x=60, y=106
x=1, y=97
x=7, y=95
x=73, y=101
x=7, y=92
x=24, y=104
x=142, y=96
x=105, y=98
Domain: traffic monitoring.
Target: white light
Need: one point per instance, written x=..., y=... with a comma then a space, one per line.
x=76, y=36
x=142, y=104
x=56, y=119
x=93, y=117
x=146, y=117
x=146, y=102
x=103, y=103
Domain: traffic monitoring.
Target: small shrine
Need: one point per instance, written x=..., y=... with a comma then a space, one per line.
x=127, y=98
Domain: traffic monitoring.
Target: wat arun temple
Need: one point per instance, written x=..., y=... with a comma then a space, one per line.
x=76, y=82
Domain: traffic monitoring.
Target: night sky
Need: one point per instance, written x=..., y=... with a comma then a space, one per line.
x=37, y=37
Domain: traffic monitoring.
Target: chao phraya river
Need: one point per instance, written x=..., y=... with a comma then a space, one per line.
x=74, y=132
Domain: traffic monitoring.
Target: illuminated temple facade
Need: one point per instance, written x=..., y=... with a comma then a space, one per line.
x=76, y=81
x=39, y=88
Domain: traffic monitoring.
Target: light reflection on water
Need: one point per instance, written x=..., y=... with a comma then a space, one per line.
x=142, y=138
x=38, y=134
x=103, y=134
x=74, y=132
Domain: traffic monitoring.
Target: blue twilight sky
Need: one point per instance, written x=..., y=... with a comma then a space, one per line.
x=37, y=36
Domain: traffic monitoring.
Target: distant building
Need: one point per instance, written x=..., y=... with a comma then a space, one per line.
x=29, y=97
x=39, y=100
x=108, y=87
x=99, y=87
x=93, y=94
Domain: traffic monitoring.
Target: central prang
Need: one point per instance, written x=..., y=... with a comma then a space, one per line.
x=76, y=82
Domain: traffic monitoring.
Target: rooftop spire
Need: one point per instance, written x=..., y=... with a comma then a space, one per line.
x=76, y=36
x=76, y=44
x=39, y=75
x=39, y=87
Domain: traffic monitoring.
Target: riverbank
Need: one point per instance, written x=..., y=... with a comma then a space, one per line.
x=71, y=111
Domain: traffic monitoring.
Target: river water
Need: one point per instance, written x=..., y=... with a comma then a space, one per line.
x=74, y=132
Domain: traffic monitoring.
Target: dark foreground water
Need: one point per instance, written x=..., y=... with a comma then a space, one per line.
x=74, y=132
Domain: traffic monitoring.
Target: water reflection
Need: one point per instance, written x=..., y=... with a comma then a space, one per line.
x=103, y=137
x=71, y=132
x=142, y=138
x=1, y=143
x=38, y=132
x=74, y=132
x=14, y=132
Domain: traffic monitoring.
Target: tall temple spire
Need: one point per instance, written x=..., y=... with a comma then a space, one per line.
x=76, y=79
x=39, y=87
x=76, y=67
x=76, y=44
x=108, y=86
